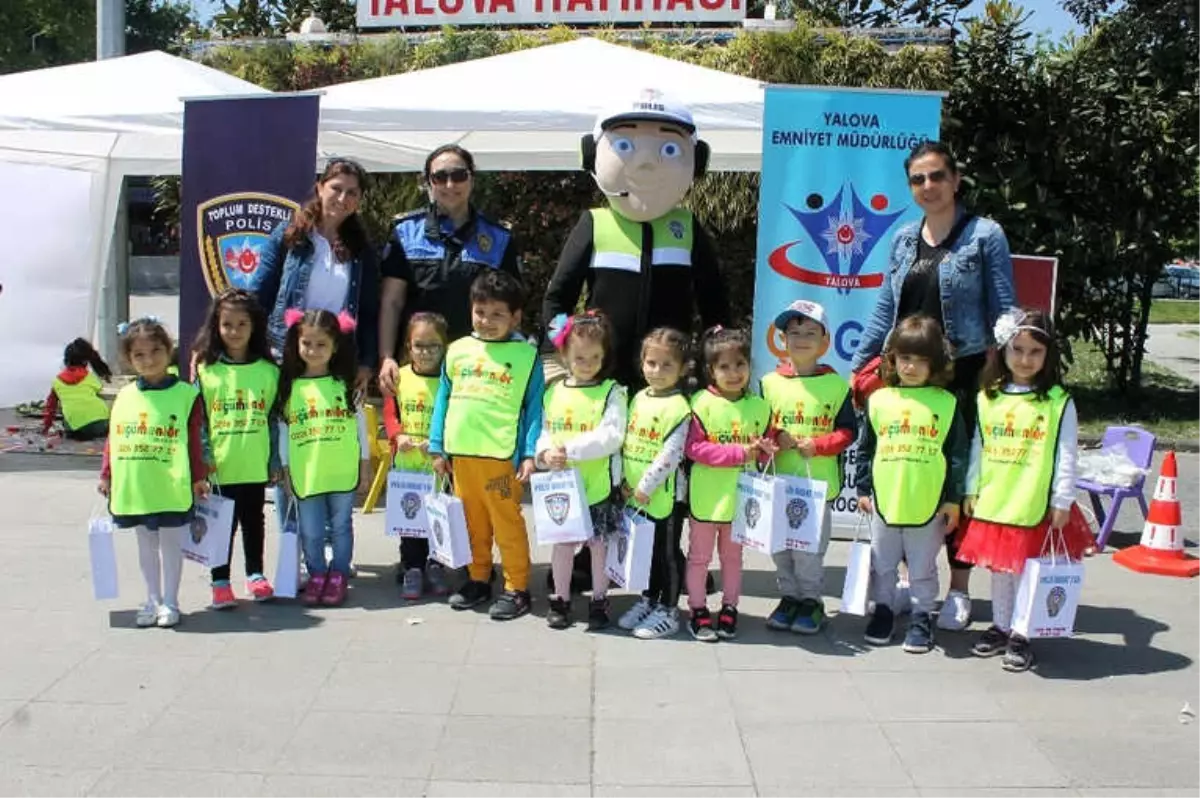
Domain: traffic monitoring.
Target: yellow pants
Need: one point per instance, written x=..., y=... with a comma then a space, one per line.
x=491, y=497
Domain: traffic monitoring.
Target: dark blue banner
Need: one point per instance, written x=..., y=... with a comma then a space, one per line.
x=248, y=163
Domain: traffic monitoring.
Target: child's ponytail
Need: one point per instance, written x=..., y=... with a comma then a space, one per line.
x=80, y=352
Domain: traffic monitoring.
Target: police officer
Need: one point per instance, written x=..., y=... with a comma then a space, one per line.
x=433, y=255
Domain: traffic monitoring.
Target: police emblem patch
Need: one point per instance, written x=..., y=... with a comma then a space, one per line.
x=558, y=506
x=439, y=535
x=1055, y=600
x=485, y=242
x=198, y=529
x=753, y=512
x=231, y=232
x=410, y=503
x=796, y=511
x=676, y=229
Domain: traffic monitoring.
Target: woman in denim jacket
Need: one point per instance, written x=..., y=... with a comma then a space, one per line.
x=955, y=267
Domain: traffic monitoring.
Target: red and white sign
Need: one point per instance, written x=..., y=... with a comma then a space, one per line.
x=504, y=13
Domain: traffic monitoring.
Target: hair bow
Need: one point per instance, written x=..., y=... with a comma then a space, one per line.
x=345, y=321
x=1009, y=324
x=124, y=326
x=291, y=316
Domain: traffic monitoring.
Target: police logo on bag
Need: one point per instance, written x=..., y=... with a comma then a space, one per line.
x=198, y=528
x=622, y=548
x=753, y=512
x=439, y=536
x=676, y=228
x=558, y=506
x=410, y=503
x=796, y=511
x=232, y=230
x=1055, y=599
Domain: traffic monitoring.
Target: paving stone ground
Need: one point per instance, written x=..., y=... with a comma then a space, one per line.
x=381, y=698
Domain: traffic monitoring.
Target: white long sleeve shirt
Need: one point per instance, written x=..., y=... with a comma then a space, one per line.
x=603, y=441
x=667, y=462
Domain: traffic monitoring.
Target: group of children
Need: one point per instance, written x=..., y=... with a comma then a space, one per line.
x=477, y=413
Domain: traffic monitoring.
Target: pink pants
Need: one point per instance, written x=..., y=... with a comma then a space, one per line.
x=701, y=539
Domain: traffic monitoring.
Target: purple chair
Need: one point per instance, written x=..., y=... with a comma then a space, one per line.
x=1139, y=446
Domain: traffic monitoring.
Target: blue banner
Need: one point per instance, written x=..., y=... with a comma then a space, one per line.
x=248, y=163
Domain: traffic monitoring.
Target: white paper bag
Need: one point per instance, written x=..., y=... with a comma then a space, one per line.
x=630, y=553
x=560, y=507
x=1048, y=596
x=287, y=566
x=449, y=542
x=776, y=512
x=206, y=541
x=406, y=494
x=858, y=576
x=103, y=554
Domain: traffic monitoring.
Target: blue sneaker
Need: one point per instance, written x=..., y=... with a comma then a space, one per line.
x=919, y=639
x=784, y=614
x=809, y=618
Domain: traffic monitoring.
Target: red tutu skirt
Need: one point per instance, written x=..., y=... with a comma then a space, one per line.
x=1000, y=547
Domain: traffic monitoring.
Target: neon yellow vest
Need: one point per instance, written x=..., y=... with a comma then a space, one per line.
x=488, y=380
x=570, y=411
x=909, y=469
x=1020, y=438
x=238, y=399
x=81, y=403
x=148, y=450
x=806, y=407
x=652, y=420
x=323, y=448
x=415, y=397
x=713, y=490
x=617, y=241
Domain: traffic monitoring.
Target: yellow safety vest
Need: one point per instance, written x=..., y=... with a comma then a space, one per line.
x=323, y=447
x=488, y=381
x=238, y=399
x=81, y=403
x=713, y=489
x=652, y=420
x=617, y=241
x=148, y=450
x=415, y=397
x=909, y=469
x=571, y=411
x=1019, y=432
x=806, y=407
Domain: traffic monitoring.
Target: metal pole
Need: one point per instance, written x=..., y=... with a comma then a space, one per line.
x=110, y=29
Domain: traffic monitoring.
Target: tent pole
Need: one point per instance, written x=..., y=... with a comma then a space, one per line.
x=110, y=29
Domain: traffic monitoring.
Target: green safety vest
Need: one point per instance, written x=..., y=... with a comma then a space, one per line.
x=323, y=447
x=571, y=411
x=81, y=403
x=617, y=241
x=713, y=490
x=652, y=420
x=415, y=397
x=238, y=399
x=148, y=450
x=806, y=407
x=1020, y=438
x=909, y=469
x=488, y=380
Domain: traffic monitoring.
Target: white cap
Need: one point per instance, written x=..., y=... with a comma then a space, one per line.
x=802, y=309
x=650, y=105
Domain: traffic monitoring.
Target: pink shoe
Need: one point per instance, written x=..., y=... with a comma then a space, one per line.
x=314, y=590
x=335, y=589
x=222, y=597
x=260, y=588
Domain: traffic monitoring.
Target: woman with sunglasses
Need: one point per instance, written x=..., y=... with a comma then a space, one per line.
x=955, y=267
x=435, y=254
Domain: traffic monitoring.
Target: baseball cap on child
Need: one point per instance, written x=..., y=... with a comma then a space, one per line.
x=650, y=105
x=802, y=309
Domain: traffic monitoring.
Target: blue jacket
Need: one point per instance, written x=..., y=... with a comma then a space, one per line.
x=281, y=282
x=976, y=281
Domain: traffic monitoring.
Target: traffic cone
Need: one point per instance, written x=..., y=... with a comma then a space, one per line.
x=1161, y=548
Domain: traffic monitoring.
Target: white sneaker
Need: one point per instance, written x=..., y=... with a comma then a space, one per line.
x=956, y=612
x=634, y=616
x=147, y=615
x=662, y=622
x=167, y=616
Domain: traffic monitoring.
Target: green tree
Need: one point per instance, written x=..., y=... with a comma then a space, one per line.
x=265, y=18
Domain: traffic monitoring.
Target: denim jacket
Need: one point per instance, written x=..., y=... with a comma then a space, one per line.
x=281, y=282
x=977, y=286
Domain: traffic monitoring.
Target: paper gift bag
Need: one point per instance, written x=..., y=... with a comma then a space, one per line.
x=776, y=512
x=858, y=575
x=103, y=554
x=630, y=552
x=560, y=507
x=206, y=539
x=287, y=566
x=1048, y=596
x=449, y=542
x=406, y=494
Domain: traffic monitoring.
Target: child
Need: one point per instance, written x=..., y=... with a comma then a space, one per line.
x=406, y=419
x=154, y=465
x=1021, y=480
x=583, y=427
x=811, y=405
x=485, y=427
x=730, y=427
x=651, y=456
x=77, y=390
x=239, y=382
x=912, y=460
x=323, y=457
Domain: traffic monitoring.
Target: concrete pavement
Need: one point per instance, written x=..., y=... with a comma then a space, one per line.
x=1177, y=347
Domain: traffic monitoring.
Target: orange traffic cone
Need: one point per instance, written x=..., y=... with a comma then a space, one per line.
x=1161, y=548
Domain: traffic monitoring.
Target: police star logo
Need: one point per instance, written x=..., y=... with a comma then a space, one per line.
x=558, y=507
x=797, y=512
x=231, y=232
x=410, y=503
x=1055, y=600
x=753, y=512
x=198, y=529
x=485, y=242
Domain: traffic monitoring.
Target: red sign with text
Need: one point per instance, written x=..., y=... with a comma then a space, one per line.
x=503, y=13
x=1035, y=279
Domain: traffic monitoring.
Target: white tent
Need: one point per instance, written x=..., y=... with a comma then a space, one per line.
x=527, y=109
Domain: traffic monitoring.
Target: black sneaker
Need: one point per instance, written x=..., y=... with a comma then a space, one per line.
x=1019, y=656
x=701, y=626
x=919, y=639
x=881, y=626
x=471, y=594
x=784, y=614
x=511, y=604
x=598, y=615
x=559, y=616
x=727, y=622
x=990, y=643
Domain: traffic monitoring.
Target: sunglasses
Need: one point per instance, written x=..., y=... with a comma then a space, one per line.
x=936, y=176
x=443, y=176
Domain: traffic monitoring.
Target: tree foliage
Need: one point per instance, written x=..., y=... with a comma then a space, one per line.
x=262, y=18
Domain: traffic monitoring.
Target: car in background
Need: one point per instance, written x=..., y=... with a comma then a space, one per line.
x=1177, y=282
